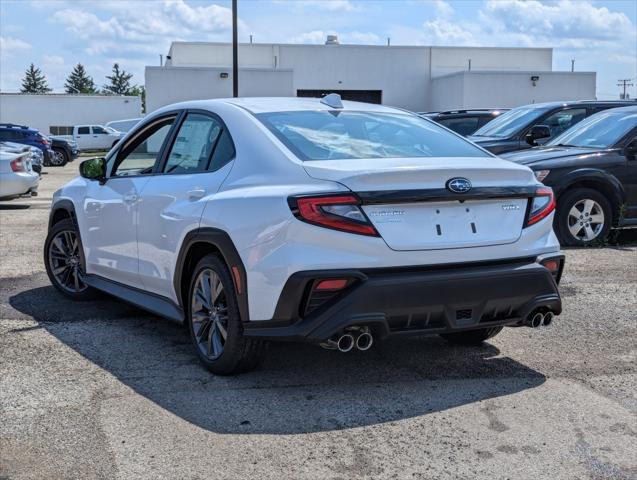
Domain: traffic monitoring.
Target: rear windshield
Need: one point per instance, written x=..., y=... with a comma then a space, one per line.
x=327, y=135
x=510, y=123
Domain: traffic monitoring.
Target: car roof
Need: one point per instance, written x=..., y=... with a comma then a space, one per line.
x=13, y=126
x=467, y=111
x=284, y=104
x=547, y=105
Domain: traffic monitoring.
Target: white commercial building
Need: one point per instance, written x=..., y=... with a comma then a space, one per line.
x=418, y=78
x=56, y=113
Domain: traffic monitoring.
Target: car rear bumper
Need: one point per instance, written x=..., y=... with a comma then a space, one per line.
x=15, y=184
x=417, y=300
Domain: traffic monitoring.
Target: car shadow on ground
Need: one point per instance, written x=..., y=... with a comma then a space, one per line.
x=298, y=389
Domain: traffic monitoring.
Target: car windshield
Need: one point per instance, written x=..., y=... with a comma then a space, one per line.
x=327, y=135
x=110, y=130
x=510, y=122
x=602, y=130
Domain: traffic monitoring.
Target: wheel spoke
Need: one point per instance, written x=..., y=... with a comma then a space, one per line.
x=211, y=346
x=588, y=206
x=216, y=341
x=222, y=329
x=597, y=218
x=217, y=288
x=575, y=229
x=57, y=271
x=204, y=328
x=205, y=284
x=57, y=243
x=590, y=234
x=76, y=280
x=201, y=298
x=574, y=212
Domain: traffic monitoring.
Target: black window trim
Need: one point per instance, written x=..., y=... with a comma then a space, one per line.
x=176, y=114
x=173, y=138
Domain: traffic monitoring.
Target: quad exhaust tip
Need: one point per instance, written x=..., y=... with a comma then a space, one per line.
x=537, y=320
x=364, y=341
x=345, y=343
x=548, y=319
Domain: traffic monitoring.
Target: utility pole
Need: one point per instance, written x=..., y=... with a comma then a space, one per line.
x=625, y=82
x=572, y=65
x=235, y=52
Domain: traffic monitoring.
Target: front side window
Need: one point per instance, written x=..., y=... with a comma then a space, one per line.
x=510, y=123
x=602, y=130
x=327, y=135
x=563, y=120
x=140, y=153
x=194, y=144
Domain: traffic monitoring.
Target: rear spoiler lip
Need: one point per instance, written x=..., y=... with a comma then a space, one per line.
x=443, y=195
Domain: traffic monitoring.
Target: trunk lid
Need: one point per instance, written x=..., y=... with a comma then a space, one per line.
x=415, y=224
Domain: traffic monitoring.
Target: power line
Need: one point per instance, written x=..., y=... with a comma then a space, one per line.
x=625, y=82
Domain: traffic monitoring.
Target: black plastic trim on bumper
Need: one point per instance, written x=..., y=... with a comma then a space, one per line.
x=415, y=301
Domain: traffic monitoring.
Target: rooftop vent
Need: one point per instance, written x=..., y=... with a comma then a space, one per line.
x=332, y=40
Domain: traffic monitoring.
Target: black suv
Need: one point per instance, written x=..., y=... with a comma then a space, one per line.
x=464, y=122
x=593, y=170
x=532, y=125
x=64, y=151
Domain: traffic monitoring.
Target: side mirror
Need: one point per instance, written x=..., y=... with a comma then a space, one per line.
x=537, y=132
x=631, y=150
x=94, y=169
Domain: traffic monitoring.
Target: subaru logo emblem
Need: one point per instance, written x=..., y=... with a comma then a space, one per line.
x=459, y=185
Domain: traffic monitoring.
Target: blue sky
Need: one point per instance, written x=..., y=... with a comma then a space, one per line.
x=56, y=34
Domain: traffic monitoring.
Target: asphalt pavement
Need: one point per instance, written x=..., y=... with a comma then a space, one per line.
x=103, y=390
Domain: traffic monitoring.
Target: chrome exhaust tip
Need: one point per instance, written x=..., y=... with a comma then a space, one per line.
x=345, y=343
x=548, y=319
x=364, y=341
x=537, y=320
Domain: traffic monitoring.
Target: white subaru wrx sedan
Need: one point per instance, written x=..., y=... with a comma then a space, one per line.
x=316, y=220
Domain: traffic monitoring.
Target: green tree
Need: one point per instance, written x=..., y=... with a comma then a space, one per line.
x=140, y=91
x=119, y=82
x=79, y=81
x=34, y=81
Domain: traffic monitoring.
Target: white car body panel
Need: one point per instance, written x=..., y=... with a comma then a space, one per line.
x=137, y=243
x=16, y=183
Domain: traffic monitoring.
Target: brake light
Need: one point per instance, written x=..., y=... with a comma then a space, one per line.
x=338, y=212
x=17, y=165
x=542, y=204
x=334, y=284
x=42, y=140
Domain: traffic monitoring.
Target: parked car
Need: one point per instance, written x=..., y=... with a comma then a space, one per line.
x=358, y=221
x=592, y=168
x=95, y=137
x=532, y=125
x=123, y=126
x=65, y=150
x=16, y=174
x=10, y=132
x=464, y=122
x=35, y=154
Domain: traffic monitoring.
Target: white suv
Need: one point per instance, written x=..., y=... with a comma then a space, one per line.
x=330, y=222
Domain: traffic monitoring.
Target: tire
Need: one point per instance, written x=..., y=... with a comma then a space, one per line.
x=64, y=261
x=573, y=220
x=60, y=157
x=471, y=337
x=208, y=319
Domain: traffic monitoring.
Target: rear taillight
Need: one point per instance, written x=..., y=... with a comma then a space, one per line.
x=338, y=212
x=322, y=291
x=42, y=140
x=542, y=204
x=17, y=165
x=555, y=265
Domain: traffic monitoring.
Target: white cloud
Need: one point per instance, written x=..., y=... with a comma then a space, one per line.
x=315, y=36
x=443, y=9
x=9, y=46
x=320, y=5
x=53, y=60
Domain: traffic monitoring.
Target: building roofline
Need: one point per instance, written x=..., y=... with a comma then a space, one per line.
x=509, y=72
x=180, y=42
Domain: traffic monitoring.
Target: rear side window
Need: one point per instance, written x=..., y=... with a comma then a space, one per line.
x=327, y=135
x=194, y=144
x=462, y=125
x=99, y=130
x=224, y=151
x=83, y=131
x=561, y=121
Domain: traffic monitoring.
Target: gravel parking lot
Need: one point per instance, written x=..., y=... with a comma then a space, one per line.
x=104, y=390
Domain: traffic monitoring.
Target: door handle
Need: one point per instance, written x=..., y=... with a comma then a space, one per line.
x=196, y=193
x=130, y=198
